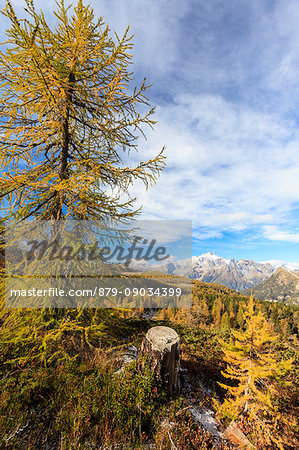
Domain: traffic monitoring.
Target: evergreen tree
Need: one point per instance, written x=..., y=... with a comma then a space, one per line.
x=200, y=311
x=284, y=326
x=240, y=316
x=68, y=118
x=204, y=311
x=216, y=312
x=224, y=324
x=231, y=313
x=251, y=365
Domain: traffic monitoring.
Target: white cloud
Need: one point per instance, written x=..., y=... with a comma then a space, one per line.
x=281, y=263
x=275, y=234
x=227, y=167
x=164, y=231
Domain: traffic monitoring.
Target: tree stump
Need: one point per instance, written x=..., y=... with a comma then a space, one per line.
x=161, y=347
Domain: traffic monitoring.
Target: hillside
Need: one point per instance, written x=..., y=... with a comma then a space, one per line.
x=44, y=352
x=282, y=285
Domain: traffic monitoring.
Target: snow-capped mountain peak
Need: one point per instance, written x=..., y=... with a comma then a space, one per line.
x=212, y=257
x=237, y=274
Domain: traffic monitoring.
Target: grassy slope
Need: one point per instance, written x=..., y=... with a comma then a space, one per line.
x=58, y=388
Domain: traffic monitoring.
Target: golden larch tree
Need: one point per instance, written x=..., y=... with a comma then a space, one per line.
x=69, y=118
x=251, y=366
x=69, y=121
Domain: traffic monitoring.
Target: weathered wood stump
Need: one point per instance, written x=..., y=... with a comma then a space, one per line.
x=161, y=347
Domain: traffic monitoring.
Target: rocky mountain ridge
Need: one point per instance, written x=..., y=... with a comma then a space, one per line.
x=282, y=285
x=211, y=268
x=236, y=274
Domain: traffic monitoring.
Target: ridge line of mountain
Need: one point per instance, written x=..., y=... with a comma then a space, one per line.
x=239, y=275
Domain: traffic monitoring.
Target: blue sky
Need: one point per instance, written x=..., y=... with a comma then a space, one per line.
x=225, y=81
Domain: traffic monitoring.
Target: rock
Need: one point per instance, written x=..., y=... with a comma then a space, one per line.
x=129, y=356
x=237, y=437
x=161, y=347
x=205, y=417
